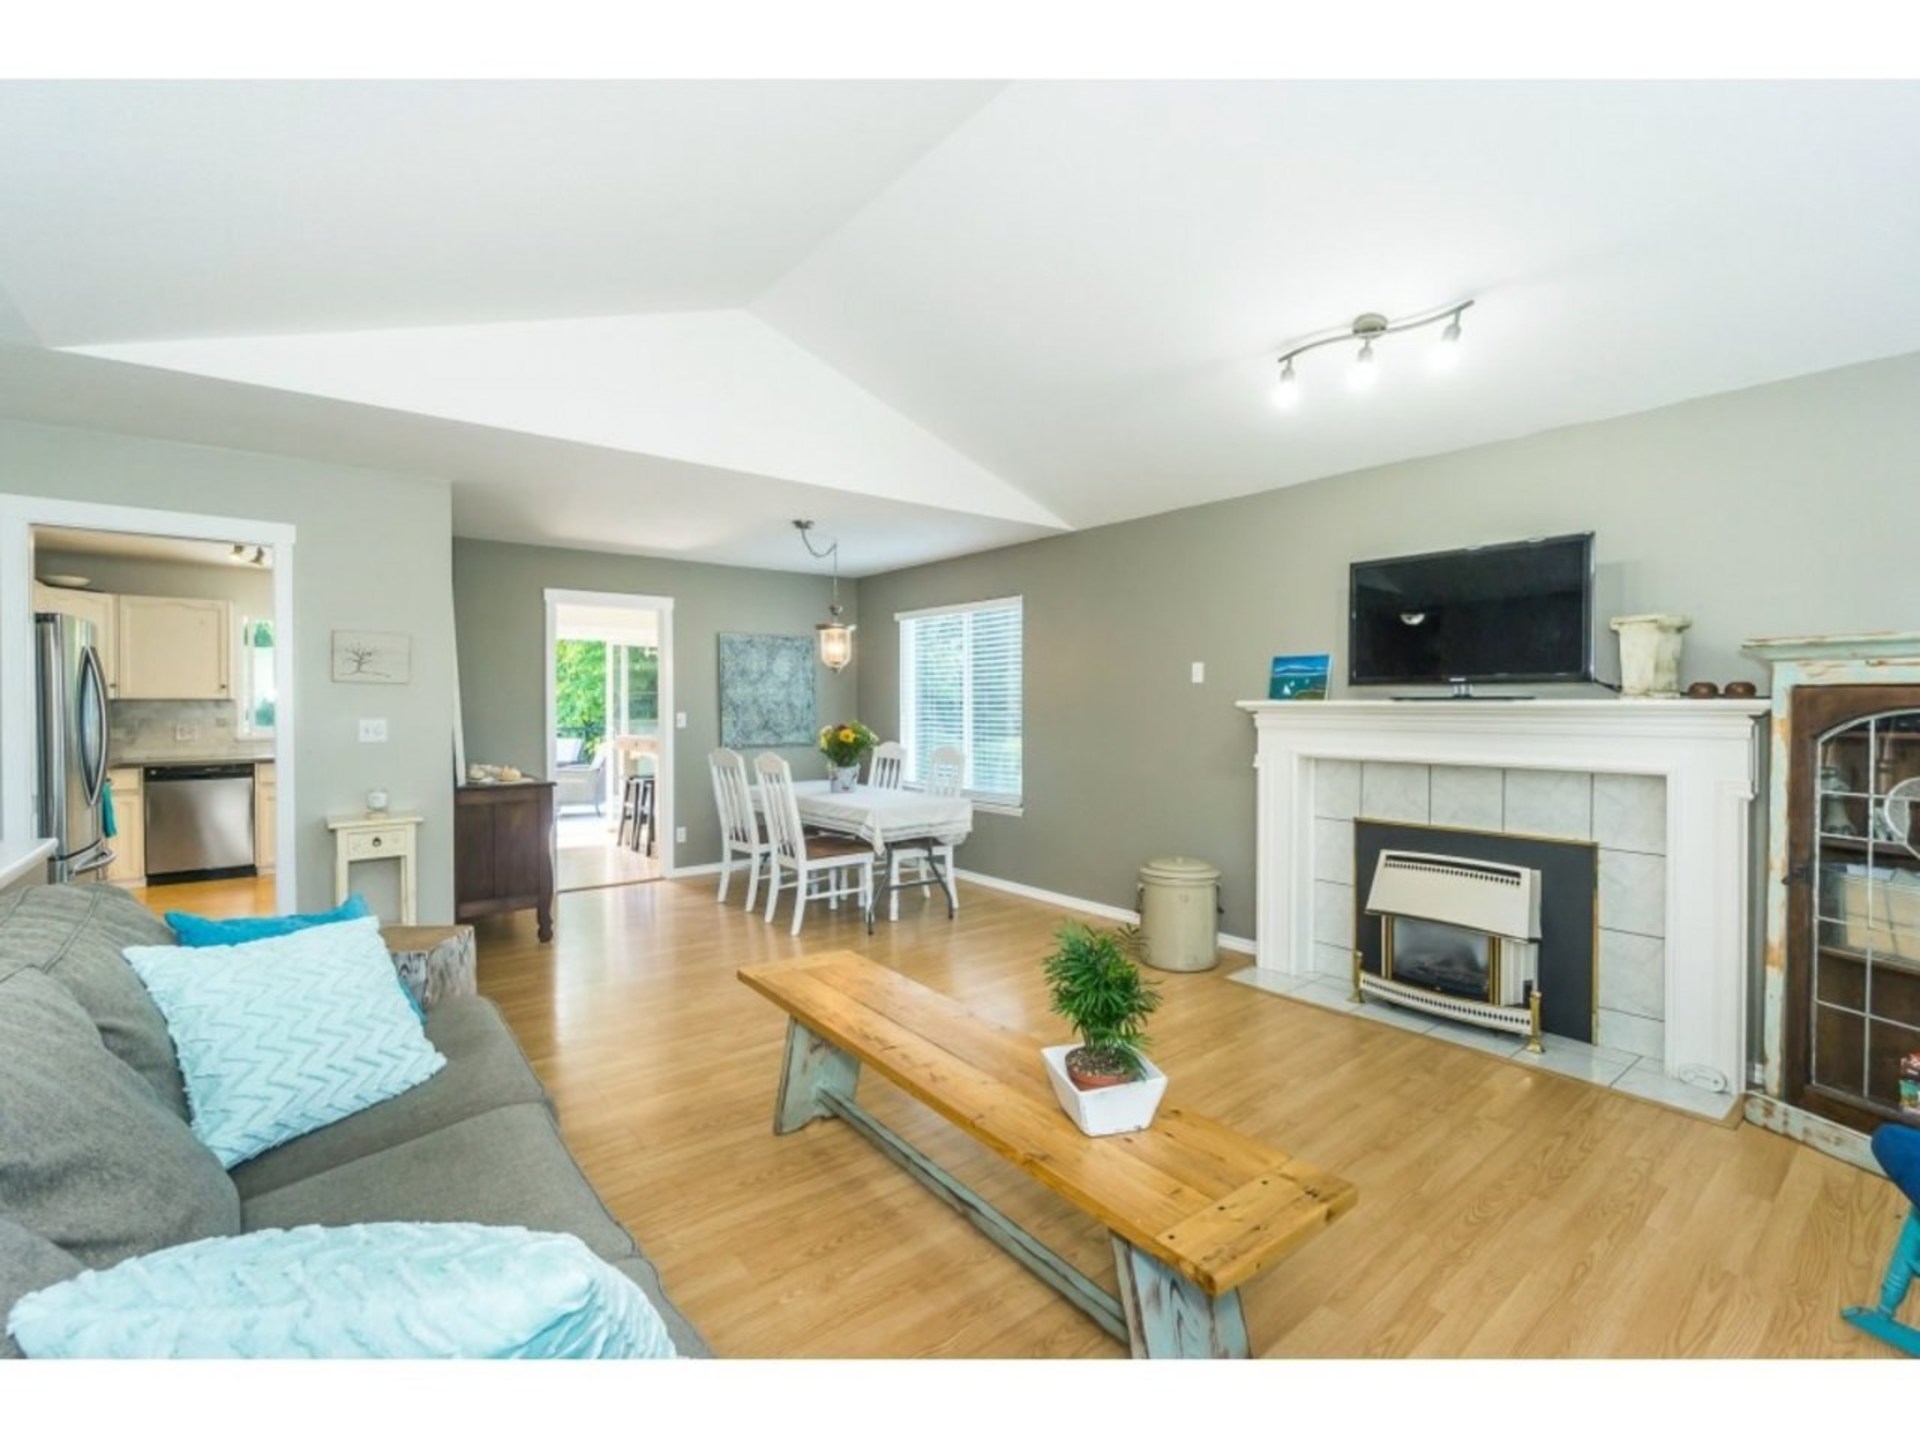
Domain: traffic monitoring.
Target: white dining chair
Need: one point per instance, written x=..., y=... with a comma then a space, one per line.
x=739, y=827
x=887, y=769
x=946, y=770
x=823, y=867
x=946, y=774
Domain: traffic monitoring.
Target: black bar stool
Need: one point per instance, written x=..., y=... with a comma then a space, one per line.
x=636, y=812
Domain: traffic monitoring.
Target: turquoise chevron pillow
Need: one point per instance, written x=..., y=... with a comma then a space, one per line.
x=392, y=1290
x=198, y=930
x=279, y=1037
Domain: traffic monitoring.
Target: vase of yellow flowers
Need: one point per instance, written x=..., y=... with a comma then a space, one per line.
x=844, y=744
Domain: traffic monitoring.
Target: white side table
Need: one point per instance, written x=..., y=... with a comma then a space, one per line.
x=378, y=837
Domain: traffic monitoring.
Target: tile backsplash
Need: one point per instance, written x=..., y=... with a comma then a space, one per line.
x=147, y=730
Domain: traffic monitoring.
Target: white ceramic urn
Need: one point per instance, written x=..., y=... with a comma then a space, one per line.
x=1650, y=654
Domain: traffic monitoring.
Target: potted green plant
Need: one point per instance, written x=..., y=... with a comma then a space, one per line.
x=844, y=744
x=1105, y=1083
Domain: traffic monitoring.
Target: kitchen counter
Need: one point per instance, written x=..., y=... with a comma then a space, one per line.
x=230, y=758
x=24, y=861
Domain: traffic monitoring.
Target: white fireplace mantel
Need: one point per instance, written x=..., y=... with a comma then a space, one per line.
x=1705, y=750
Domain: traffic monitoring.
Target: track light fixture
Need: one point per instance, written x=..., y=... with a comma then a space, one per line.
x=1366, y=329
x=836, y=636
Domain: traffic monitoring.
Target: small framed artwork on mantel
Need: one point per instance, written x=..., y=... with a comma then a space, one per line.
x=372, y=657
x=1299, y=677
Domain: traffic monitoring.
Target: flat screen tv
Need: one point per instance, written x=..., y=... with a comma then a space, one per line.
x=1518, y=612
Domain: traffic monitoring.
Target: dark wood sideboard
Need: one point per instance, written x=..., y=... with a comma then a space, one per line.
x=503, y=850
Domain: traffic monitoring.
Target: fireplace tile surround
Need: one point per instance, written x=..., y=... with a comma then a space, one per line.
x=1548, y=804
x=1661, y=788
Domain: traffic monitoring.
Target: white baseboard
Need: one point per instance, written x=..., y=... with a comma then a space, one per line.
x=1051, y=897
x=1238, y=944
x=680, y=872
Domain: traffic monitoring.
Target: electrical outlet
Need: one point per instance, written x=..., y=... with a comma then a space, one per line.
x=185, y=732
x=373, y=731
x=680, y=834
x=1199, y=672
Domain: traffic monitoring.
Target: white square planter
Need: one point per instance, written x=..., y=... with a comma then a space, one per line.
x=1113, y=1110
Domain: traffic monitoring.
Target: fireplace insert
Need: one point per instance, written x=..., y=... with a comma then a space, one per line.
x=1447, y=958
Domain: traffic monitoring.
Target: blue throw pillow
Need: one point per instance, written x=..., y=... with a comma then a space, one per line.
x=390, y=1290
x=279, y=1037
x=197, y=930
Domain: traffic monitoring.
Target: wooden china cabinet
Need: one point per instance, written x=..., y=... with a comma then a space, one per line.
x=1842, y=1021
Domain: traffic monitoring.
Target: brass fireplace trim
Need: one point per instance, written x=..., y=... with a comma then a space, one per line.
x=1534, y=1043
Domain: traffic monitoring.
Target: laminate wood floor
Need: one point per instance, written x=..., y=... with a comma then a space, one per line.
x=588, y=855
x=1504, y=1212
x=215, y=899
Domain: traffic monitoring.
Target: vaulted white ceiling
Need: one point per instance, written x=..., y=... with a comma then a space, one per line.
x=670, y=316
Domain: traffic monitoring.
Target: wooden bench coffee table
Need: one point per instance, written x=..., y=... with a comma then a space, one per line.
x=1195, y=1209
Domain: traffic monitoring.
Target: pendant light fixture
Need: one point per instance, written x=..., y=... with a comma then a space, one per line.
x=836, y=636
x=1365, y=330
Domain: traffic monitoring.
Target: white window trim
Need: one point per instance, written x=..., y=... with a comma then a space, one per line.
x=243, y=725
x=1015, y=600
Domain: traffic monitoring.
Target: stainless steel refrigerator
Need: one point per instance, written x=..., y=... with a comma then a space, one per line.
x=73, y=743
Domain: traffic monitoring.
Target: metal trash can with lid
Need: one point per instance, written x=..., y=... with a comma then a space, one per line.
x=1179, y=906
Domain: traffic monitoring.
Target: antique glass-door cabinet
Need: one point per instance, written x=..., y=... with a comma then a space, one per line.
x=1841, y=1003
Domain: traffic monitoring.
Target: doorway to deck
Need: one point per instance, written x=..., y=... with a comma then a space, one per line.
x=608, y=685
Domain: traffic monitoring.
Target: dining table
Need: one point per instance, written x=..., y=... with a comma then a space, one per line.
x=889, y=819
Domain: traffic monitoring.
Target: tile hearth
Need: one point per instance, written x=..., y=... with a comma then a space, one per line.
x=1629, y=1074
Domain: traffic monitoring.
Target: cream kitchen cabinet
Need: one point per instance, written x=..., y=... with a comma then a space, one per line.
x=265, y=816
x=174, y=649
x=129, y=843
x=88, y=605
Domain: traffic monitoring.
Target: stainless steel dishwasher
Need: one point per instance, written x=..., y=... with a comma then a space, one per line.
x=199, y=821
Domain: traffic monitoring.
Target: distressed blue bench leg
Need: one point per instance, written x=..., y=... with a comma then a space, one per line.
x=1171, y=1318
x=813, y=1067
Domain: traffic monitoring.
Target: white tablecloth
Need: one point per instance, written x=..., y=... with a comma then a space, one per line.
x=883, y=817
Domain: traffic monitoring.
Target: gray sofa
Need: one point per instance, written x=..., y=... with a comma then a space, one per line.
x=97, y=1162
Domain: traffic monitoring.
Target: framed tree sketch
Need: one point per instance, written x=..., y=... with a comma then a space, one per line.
x=372, y=657
x=766, y=690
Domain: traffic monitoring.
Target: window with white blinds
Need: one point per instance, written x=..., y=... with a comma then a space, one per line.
x=960, y=684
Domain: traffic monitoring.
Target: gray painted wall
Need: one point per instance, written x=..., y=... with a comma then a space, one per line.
x=371, y=553
x=500, y=600
x=1782, y=510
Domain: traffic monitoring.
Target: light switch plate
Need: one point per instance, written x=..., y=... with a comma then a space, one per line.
x=373, y=731
x=1199, y=672
x=680, y=720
